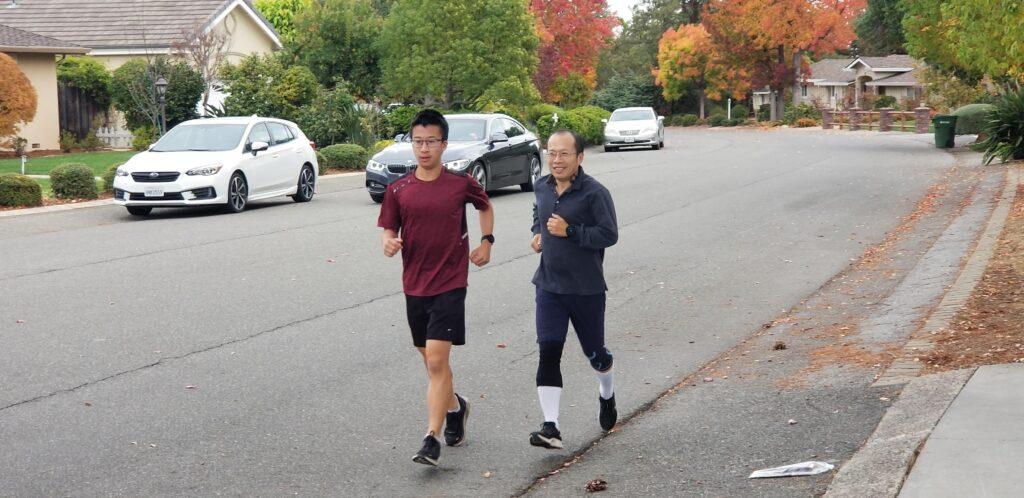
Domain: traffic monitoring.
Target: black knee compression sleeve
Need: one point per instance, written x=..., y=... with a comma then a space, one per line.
x=601, y=359
x=549, y=372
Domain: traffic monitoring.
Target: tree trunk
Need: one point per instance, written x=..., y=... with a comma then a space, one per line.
x=702, y=99
x=773, y=108
x=797, y=56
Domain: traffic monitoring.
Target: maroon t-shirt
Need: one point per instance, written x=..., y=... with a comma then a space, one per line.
x=430, y=218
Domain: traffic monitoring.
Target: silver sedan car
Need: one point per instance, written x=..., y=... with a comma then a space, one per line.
x=634, y=126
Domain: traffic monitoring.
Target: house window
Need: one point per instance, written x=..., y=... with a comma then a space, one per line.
x=831, y=91
x=803, y=90
x=881, y=90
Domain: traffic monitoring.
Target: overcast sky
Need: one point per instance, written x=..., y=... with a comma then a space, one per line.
x=622, y=8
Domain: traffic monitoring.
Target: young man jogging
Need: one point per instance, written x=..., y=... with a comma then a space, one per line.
x=424, y=216
x=574, y=221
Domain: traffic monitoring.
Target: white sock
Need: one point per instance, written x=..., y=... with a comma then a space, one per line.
x=458, y=406
x=549, y=396
x=605, y=378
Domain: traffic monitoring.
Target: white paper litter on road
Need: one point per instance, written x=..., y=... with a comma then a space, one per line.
x=795, y=469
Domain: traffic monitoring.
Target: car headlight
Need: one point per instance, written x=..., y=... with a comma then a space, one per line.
x=122, y=172
x=650, y=130
x=209, y=169
x=374, y=166
x=458, y=165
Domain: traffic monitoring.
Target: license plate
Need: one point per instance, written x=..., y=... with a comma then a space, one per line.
x=127, y=196
x=153, y=192
x=630, y=140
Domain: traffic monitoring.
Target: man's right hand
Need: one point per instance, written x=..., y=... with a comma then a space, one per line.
x=392, y=246
x=535, y=244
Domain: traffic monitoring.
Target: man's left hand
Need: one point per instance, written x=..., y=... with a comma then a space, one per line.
x=557, y=226
x=481, y=255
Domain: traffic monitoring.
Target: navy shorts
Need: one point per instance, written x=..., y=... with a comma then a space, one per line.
x=441, y=317
x=555, y=311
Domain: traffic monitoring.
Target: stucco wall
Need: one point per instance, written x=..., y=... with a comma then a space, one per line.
x=246, y=36
x=43, y=133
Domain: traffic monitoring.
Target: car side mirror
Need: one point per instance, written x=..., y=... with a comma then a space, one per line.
x=498, y=137
x=661, y=118
x=258, y=146
x=399, y=137
x=605, y=121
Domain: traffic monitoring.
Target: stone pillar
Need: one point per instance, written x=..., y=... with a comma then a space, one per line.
x=922, y=118
x=826, y=119
x=885, y=119
x=854, y=118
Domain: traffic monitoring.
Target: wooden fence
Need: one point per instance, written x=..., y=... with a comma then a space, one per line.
x=885, y=119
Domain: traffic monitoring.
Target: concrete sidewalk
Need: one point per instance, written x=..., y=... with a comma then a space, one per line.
x=977, y=448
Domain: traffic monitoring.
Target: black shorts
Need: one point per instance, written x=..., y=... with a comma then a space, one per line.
x=441, y=317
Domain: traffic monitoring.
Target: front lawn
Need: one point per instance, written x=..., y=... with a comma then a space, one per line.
x=97, y=161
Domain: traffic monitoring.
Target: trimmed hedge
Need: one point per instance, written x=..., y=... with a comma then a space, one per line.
x=764, y=112
x=399, y=119
x=73, y=181
x=885, y=101
x=380, y=145
x=19, y=190
x=321, y=164
x=108, y=178
x=535, y=112
x=344, y=156
x=741, y=112
x=717, y=120
x=585, y=120
x=971, y=118
x=794, y=113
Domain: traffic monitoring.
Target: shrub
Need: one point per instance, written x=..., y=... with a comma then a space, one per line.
x=19, y=190
x=399, y=118
x=805, y=123
x=764, y=112
x=331, y=118
x=625, y=91
x=717, y=120
x=740, y=112
x=571, y=90
x=380, y=145
x=16, y=144
x=688, y=119
x=73, y=181
x=91, y=142
x=586, y=121
x=88, y=75
x=794, y=113
x=714, y=110
x=18, y=97
x=131, y=90
x=971, y=118
x=143, y=137
x=1004, y=129
x=68, y=141
x=885, y=101
x=108, y=178
x=344, y=156
x=731, y=122
x=321, y=163
x=534, y=112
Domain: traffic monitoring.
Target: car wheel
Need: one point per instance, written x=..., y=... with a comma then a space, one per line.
x=238, y=193
x=139, y=210
x=656, y=146
x=479, y=172
x=535, y=170
x=609, y=149
x=307, y=185
x=378, y=198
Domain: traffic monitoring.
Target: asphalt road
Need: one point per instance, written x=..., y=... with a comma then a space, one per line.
x=266, y=353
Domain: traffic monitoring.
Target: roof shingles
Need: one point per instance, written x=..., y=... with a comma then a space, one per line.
x=14, y=40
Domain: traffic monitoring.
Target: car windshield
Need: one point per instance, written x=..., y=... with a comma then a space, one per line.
x=201, y=137
x=638, y=115
x=467, y=130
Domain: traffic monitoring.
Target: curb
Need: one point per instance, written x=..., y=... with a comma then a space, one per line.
x=105, y=202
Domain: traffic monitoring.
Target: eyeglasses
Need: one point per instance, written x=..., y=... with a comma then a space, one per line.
x=558, y=155
x=430, y=143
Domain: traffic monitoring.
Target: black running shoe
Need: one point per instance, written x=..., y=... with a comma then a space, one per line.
x=547, y=437
x=430, y=453
x=608, y=415
x=455, y=424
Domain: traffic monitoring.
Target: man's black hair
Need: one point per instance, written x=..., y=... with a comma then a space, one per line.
x=428, y=117
x=576, y=138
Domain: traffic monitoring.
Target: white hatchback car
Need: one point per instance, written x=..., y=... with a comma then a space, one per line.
x=631, y=126
x=219, y=161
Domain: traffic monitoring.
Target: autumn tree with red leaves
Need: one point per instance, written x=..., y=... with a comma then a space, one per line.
x=17, y=97
x=688, y=58
x=572, y=34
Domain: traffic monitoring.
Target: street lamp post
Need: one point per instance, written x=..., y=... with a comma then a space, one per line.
x=161, y=92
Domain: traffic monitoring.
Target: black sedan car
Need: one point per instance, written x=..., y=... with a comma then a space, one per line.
x=496, y=149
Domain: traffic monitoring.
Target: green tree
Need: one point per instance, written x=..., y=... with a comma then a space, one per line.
x=880, y=28
x=88, y=75
x=330, y=118
x=337, y=40
x=625, y=91
x=571, y=90
x=281, y=14
x=452, y=52
x=133, y=91
x=263, y=85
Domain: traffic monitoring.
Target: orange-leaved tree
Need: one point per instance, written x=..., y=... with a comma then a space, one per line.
x=772, y=39
x=689, y=59
x=17, y=97
x=572, y=34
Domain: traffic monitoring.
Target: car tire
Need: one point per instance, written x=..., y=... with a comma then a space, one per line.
x=238, y=193
x=479, y=172
x=656, y=146
x=139, y=210
x=535, y=171
x=609, y=149
x=307, y=185
x=378, y=198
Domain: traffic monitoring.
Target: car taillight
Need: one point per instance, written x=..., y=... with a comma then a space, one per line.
x=312, y=144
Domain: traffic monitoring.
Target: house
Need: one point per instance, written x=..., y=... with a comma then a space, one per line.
x=839, y=83
x=36, y=56
x=114, y=31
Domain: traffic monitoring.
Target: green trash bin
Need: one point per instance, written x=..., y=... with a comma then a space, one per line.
x=945, y=131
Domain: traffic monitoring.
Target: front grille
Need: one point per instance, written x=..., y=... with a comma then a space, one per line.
x=161, y=176
x=627, y=133
x=170, y=196
x=400, y=169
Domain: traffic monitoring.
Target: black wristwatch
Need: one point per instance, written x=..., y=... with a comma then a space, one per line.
x=570, y=231
x=488, y=238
